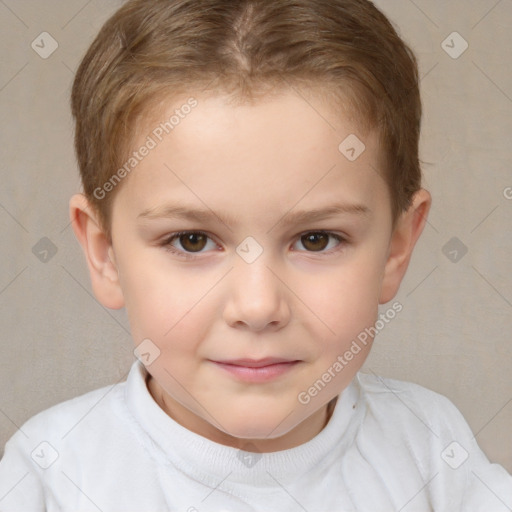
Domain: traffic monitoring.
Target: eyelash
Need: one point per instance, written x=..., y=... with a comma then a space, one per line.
x=192, y=256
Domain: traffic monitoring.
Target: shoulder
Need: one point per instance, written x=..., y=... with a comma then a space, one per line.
x=94, y=418
x=403, y=397
x=62, y=419
x=423, y=429
x=44, y=436
x=43, y=445
x=376, y=384
x=413, y=412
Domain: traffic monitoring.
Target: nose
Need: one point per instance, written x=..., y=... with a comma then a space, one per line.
x=258, y=298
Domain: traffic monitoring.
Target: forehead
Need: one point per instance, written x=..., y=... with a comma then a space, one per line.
x=282, y=147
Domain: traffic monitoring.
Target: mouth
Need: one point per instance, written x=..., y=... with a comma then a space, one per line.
x=257, y=370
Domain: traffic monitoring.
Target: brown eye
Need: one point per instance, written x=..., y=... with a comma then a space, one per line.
x=315, y=241
x=323, y=242
x=189, y=244
x=193, y=242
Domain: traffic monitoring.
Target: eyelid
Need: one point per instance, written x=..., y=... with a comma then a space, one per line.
x=166, y=243
x=341, y=238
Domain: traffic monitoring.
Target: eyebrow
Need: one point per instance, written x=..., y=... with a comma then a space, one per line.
x=178, y=211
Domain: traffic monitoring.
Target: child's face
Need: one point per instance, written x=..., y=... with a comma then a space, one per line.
x=303, y=300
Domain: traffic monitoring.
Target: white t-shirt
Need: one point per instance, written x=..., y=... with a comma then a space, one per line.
x=389, y=446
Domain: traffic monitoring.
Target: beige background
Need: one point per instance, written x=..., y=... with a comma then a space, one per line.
x=453, y=335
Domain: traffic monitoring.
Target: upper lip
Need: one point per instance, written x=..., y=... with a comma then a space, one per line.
x=257, y=363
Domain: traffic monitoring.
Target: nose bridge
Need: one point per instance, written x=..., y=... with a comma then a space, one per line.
x=256, y=296
x=254, y=277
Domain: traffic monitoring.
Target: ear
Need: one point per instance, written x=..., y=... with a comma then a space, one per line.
x=403, y=239
x=98, y=252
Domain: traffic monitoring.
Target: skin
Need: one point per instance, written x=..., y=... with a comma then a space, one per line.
x=302, y=300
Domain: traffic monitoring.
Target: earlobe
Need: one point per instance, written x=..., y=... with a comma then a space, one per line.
x=98, y=252
x=405, y=235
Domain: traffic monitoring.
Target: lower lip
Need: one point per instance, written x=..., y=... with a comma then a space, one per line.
x=261, y=374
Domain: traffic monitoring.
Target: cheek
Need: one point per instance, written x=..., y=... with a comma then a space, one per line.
x=171, y=308
x=346, y=297
x=155, y=300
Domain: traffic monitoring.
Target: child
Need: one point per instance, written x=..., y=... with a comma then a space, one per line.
x=252, y=193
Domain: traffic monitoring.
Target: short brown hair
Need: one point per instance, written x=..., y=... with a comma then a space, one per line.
x=150, y=50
